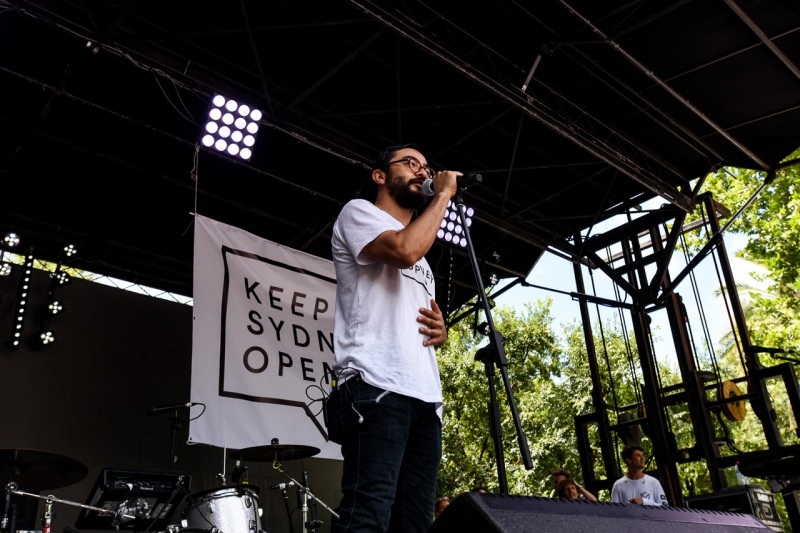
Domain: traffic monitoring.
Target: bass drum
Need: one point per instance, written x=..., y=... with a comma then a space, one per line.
x=230, y=510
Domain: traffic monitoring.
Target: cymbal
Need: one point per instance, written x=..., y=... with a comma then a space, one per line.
x=270, y=452
x=35, y=470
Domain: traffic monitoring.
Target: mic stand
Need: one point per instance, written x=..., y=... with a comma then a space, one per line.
x=7, y=507
x=288, y=510
x=491, y=355
x=307, y=494
x=176, y=426
x=12, y=522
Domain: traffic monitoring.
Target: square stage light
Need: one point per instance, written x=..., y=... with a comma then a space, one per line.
x=11, y=240
x=232, y=127
x=450, y=230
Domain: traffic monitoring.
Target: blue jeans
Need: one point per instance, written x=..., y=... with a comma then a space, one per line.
x=391, y=445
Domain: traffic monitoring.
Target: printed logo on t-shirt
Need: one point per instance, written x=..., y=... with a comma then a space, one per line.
x=421, y=275
x=646, y=495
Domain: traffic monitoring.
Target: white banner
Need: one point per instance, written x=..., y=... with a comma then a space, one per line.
x=262, y=343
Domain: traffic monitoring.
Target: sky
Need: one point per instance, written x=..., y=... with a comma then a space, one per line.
x=557, y=273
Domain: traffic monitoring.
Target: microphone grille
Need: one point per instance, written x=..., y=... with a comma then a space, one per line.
x=427, y=187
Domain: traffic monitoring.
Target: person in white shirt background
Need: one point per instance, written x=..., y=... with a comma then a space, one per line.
x=636, y=486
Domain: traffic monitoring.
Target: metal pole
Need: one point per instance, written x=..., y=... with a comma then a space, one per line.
x=695, y=391
x=761, y=402
x=606, y=440
x=656, y=421
x=494, y=353
x=649, y=73
x=692, y=384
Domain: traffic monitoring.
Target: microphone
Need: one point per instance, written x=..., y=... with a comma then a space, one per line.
x=283, y=486
x=771, y=350
x=305, y=479
x=463, y=182
x=155, y=410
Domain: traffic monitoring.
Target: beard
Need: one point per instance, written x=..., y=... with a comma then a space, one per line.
x=404, y=194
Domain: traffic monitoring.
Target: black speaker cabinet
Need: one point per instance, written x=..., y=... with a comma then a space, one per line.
x=750, y=499
x=495, y=513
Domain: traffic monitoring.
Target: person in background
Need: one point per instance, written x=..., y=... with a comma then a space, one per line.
x=567, y=488
x=440, y=505
x=636, y=486
x=560, y=475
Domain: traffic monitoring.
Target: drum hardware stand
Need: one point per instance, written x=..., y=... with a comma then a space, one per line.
x=12, y=521
x=221, y=476
x=491, y=355
x=4, y=525
x=48, y=515
x=288, y=511
x=240, y=474
x=307, y=494
x=9, y=521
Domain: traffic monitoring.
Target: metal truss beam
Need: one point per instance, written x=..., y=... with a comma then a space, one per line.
x=122, y=10
x=352, y=55
x=649, y=73
x=511, y=164
x=728, y=56
x=277, y=27
x=759, y=119
x=562, y=249
x=387, y=111
x=554, y=120
x=648, y=20
x=254, y=48
x=763, y=36
x=543, y=167
x=692, y=141
x=176, y=138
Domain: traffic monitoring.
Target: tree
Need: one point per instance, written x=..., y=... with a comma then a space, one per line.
x=772, y=225
x=468, y=457
x=551, y=384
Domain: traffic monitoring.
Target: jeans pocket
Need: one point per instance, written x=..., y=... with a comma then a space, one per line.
x=341, y=418
x=349, y=406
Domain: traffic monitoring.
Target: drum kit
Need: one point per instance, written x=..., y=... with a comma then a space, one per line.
x=144, y=500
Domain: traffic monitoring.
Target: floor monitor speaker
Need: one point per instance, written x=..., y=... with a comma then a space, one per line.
x=497, y=513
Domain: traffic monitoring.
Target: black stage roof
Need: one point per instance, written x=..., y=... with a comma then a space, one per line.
x=103, y=103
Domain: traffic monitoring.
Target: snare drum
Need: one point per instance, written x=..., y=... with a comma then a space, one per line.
x=231, y=510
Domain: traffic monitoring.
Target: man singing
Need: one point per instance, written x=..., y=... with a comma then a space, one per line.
x=385, y=409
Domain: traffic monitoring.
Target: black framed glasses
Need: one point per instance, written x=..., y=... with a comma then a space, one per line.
x=414, y=165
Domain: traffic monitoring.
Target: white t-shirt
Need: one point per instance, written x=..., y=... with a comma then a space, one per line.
x=375, y=329
x=647, y=488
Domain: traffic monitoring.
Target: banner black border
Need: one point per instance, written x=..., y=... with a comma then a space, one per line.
x=225, y=250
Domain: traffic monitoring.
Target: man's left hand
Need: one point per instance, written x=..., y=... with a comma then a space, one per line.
x=436, y=329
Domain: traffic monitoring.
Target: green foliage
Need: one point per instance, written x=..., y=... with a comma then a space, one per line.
x=772, y=225
x=468, y=457
x=550, y=373
x=551, y=383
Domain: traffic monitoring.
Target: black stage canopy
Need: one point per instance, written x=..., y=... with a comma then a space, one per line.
x=572, y=110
